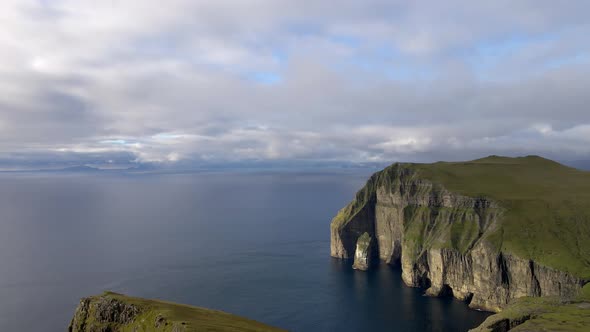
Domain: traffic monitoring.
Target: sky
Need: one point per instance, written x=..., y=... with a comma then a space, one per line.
x=229, y=81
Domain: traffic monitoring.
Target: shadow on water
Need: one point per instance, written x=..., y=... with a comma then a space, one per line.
x=378, y=300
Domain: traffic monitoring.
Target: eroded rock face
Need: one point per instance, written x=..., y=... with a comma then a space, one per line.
x=99, y=314
x=343, y=243
x=363, y=253
x=439, y=239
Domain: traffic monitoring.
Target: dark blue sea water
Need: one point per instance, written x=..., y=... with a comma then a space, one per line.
x=253, y=244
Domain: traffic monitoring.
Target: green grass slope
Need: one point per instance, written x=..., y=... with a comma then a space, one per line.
x=542, y=314
x=547, y=205
x=155, y=315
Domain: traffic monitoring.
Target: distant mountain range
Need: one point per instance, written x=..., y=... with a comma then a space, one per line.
x=579, y=164
x=236, y=165
x=80, y=168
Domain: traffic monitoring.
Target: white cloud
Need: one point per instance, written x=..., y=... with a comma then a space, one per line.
x=371, y=80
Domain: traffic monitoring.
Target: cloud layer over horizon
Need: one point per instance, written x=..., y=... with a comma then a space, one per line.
x=355, y=81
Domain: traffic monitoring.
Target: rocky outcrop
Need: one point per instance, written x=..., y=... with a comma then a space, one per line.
x=443, y=241
x=99, y=314
x=363, y=253
x=503, y=325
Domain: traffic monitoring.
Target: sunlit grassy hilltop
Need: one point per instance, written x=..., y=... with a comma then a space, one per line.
x=547, y=205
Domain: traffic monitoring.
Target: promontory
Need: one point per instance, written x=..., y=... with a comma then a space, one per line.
x=112, y=312
x=487, y=231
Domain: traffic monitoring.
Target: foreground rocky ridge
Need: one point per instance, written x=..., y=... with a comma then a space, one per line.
x=112, y=312
x=446, y=242
x=542, y=314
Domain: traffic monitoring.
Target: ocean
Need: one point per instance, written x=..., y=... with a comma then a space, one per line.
x=255, y=244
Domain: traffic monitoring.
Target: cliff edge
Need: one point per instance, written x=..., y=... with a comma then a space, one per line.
x=112, y=312
x=485, y=231
x=542, y=314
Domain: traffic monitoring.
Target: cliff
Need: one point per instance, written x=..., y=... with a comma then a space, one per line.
x=485, y=231
x=542, y=314
x=112, y=312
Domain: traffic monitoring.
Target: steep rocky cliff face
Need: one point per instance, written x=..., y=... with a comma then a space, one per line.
x=110, y=312
x=443, y=241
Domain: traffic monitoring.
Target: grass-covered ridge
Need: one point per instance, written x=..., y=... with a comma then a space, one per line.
x=116, y=312
x=547, y=205
x=542, y=314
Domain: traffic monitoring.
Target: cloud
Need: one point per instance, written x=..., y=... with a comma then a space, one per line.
x=226, y=81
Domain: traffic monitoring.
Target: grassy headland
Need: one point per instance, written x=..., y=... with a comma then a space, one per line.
x=116, y=312
x=547, y=205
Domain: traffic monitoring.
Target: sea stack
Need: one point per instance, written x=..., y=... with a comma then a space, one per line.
x=362, y=254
